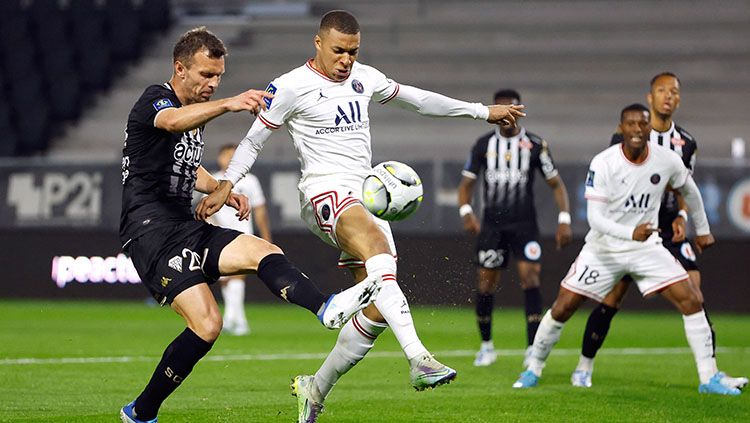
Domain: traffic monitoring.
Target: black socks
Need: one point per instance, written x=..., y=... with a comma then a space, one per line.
x=484, y=315
x=175, y=365
x=288, y=283
x=533, y=305
x=596, y=329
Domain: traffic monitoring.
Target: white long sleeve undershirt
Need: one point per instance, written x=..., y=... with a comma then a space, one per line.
x=595, y=212
x=694, y=201
x=428, y=103
x=247, y=152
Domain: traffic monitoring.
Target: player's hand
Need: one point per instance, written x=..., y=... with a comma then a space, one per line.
x=678, y=229
x=703, y=241
x=241, y=204
x=643, y=231
x=211, y=203
x=506, y=113
x=250, y=100
x=563, y=235
x=471, y=224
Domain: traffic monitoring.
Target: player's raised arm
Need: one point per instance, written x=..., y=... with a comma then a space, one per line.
x=428, y=103
x=186, y=118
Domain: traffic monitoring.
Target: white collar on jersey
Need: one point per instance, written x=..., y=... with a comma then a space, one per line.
x=668, y=131
x=519, y=136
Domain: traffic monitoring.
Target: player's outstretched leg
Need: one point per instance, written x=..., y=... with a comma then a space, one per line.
x=425, y=371
x=288, y=283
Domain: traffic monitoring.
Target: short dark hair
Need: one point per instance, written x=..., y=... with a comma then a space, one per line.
x=635, y=107
x=665, y=73
x=340, y=20
x=226, y=147
x=507, y=93
x=196, y=40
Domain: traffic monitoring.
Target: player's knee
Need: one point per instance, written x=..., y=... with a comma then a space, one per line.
x=530, y=282
x=563, y=309
x=690, y=305
x=208, y=327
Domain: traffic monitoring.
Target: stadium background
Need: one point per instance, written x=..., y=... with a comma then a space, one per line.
x=70, y=71
x=576, y=64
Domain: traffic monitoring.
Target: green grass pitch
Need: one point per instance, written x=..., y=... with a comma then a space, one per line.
x=87, y=359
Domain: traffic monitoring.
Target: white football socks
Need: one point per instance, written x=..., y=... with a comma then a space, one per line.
x=233, y=293
x=698, y=333
x=355, y=339
x=546, y=337
x=585, y=364
x=392, y=304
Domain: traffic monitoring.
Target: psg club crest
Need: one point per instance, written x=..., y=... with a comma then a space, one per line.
x=358, y=87
x=325, y=212
x=655, y=178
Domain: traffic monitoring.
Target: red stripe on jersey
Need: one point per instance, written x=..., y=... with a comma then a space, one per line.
x=392, y=96
x=317, y=72
x=267, y=123
x=596, y=198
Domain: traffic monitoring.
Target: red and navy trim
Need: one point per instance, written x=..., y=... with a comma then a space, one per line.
x=361, y=329
x=392, y=96
x=310, y=66
x=268, y=123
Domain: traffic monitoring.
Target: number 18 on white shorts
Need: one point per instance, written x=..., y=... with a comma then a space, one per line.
x=594, y=273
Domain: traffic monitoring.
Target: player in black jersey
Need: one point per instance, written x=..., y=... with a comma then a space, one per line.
x=177, y=256
x=508, y=157
x=663, y=99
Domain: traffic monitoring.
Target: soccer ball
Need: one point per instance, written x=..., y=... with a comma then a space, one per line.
x=393, y=191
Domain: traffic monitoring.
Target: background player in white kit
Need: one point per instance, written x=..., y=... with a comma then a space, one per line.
x=233, y=287
x=324, y=104
x=624, y=187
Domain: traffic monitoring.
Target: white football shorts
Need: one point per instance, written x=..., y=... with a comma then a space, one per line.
x=594, y=273
x=322, y=202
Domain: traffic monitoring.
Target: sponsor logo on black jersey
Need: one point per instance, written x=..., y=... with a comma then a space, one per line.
x=357, y=87
x=163, y=104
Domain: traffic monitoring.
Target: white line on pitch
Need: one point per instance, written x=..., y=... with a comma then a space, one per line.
x=374, y=354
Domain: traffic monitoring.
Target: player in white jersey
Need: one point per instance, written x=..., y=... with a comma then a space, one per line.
x=624, y=187
x=233, y=287
x=664, y=100
x=325, y=107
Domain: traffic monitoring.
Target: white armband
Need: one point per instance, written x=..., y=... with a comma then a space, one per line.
x=563, y=218
x=465, y=209
x=683, y=213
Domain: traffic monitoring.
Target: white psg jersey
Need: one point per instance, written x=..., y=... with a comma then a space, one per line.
x=248, y=186
x=631, y=191
x=329, y=121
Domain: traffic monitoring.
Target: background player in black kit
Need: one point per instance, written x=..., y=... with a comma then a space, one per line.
x=177, y=256
x=508, y=156
x=663, y=100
